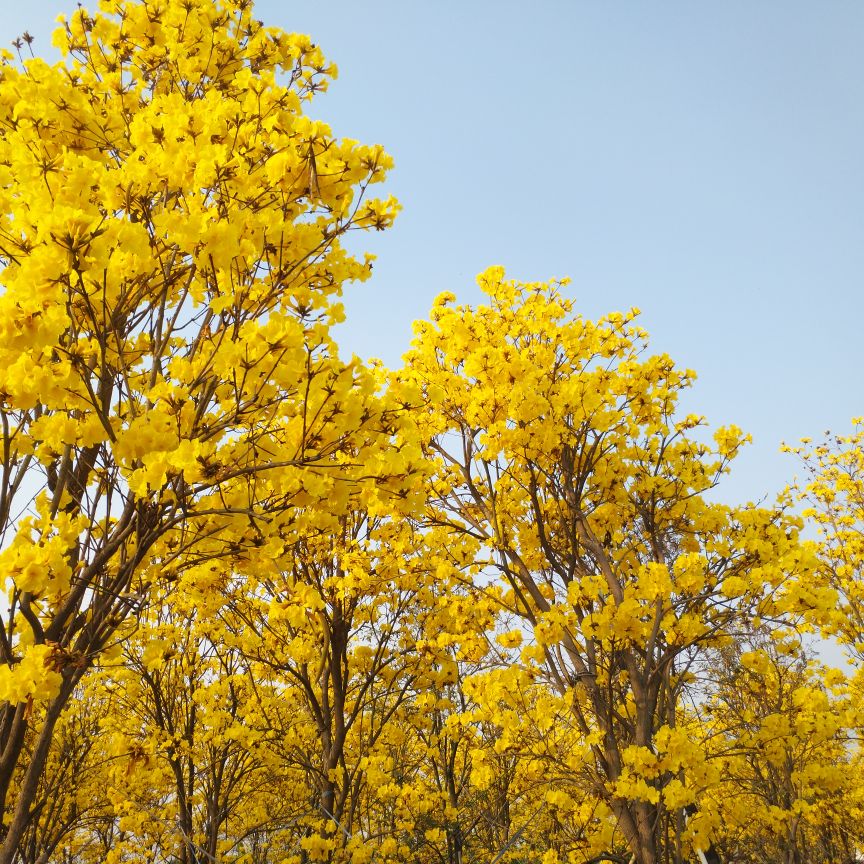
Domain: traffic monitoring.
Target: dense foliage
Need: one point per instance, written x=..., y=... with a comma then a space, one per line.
x=268, y=605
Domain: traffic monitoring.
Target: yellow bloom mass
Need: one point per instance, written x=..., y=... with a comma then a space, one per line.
x=266, y=605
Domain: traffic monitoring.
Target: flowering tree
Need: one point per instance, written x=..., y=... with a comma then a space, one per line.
x=781, y=726
x=561, y=459
x=170, y=235
x=833, y=495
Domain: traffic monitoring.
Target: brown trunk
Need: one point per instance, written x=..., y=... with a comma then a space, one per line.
x=15, y=727
x=333, y=734
x=185, y=817
x=637, y=820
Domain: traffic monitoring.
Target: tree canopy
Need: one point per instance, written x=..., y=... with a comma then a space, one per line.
x=266, y=604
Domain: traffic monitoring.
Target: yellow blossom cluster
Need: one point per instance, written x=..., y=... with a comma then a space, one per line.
x=266, y=605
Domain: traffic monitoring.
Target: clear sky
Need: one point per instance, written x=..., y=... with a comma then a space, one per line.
x=702, y=161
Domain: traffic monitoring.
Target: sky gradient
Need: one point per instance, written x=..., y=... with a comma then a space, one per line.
x=702, y=162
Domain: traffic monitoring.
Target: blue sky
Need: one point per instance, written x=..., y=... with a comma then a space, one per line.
x=702, y=161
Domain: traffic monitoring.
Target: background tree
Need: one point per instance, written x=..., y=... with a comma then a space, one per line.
x=354, y=622
x=783, y=729
x=187, y=724
x=71, y=818
x=833, y=495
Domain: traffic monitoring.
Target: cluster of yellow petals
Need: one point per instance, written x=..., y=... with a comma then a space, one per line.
x=269, y=605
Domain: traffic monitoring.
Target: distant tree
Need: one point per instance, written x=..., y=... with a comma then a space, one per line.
x=782, y=727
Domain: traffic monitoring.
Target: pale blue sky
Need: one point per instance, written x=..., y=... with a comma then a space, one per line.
x=702, y=161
